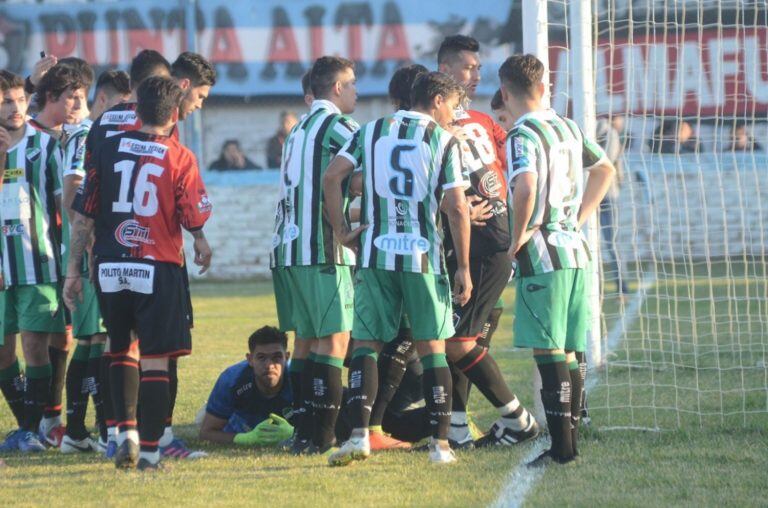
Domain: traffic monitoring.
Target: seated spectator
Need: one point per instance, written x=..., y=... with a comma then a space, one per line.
x=741, y=141
x=673, y=135
x=232, y=158
x=275, y=144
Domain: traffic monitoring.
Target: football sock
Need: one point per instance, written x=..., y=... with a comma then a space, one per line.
x=363, y=385
x=437, y=393
x=108, y=405
x=36, y=393
x=306, y=422
x=391, y=366
x=578, y=371
x=484, y=340
x=326, y=401
x=124, y=384
x=77, y=392
x=460, y=384
x=173, y=388
x=295, y=369
x=12, y=386
x=483, y=371
x=95, y=386
x=556, y=399
x=155, y=400
x=58, y=375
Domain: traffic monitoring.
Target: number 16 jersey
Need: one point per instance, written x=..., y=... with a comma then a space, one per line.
x=407, y=161
x=141, y=189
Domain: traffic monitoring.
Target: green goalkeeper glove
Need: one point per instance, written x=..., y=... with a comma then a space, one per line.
x=270, y=432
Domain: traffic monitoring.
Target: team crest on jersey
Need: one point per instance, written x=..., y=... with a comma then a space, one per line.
x=33, y=154
x=402, y=208
x=142, y=148
x=119, y=118
x=489, y=185
x=129, y=232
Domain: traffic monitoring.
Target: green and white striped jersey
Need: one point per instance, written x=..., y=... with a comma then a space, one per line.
x=302, y=236
x=407, y=161
x=73, y=165
x=555, y=149
x=31, y=237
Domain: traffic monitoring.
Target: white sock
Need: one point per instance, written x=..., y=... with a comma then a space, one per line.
x=112, y=433
x=459, y=429
x=360, y=433
x=46, y=424
x=131, y=435
x=151, y=457
x=458, y=418
x=519, y=423
x=167, y=437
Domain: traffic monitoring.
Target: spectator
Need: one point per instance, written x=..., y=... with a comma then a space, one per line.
x=741, y=141
x=288, y=120
x=232, y=158
x=674, y=135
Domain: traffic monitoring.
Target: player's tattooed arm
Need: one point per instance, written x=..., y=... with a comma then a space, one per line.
x=81, y=230
x=339, y=169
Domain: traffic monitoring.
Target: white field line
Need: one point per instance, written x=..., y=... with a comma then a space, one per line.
x=522, y=479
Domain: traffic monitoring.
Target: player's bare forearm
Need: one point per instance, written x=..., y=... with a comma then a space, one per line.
x=71, y=184
x=211, y=430
x=598, y=183
x=523, y=203
x=81, y=230
x=456, y=208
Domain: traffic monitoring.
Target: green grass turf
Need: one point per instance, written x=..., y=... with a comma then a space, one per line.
x=704, y=466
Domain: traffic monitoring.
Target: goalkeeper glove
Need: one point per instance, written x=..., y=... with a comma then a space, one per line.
x=270, y=432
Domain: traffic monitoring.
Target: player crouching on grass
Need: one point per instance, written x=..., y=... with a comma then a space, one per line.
x=549, y=203
x=245, y=405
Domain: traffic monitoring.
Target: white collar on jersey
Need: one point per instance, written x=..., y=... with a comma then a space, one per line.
x=414, y=114
x=325, y=104
x=543, y=114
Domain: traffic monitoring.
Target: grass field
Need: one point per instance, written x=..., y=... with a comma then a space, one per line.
x=702, y=465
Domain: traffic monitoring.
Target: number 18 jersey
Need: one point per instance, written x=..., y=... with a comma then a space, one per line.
x=141, y=189
x=407, y=161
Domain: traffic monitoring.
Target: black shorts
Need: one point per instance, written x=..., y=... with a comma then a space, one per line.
x=149, y=298
x=490, y=275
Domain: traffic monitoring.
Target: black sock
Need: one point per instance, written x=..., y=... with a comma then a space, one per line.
x=77, y=392
x=155, y=399
x=578, y=371
x=391, y=365
x=58, y=375
x=556, y=399
x=484, y=340
x=173, y=388
x=437, y=393
x=483, y=371
x=95, y=386
x=295, y=368
x=306, y=423
x=326, y=398
x=363, y=386
x=12, y=387
x=36, y=393
x=124, y=385
x=105, y=385
x=460, y=384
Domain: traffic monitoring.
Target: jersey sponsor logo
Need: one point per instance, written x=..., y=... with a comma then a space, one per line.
x=204, y=206
x=519, y=148
x=11, y=174
x=404, y=244
x=33, y=154
x=142, y=148
x=15, y=202
x=489, y=185
x=13, y=230
x=244, y=388
x=130, y=231
x=568, y=239
x=119, y=118
x=136, y=277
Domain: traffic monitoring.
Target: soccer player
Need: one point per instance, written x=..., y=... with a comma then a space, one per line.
x=411, y=167
x=497, y=106
x=548, y=156
x=141, y=189
x=482, y=149
x=311, y=271
x=250, y=393
x=83, y=374
x=32, y=198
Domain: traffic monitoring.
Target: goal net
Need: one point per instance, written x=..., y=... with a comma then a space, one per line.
x=681, y=100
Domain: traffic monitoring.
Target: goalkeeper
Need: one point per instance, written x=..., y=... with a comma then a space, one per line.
x=247, y=403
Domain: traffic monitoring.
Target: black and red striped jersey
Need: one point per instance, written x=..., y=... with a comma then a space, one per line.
x=141, y=189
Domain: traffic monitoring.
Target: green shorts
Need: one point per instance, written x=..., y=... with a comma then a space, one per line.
x=382, y=296
x=314, y=301
x=33, y=308
x=552, y=310
x=86, y=318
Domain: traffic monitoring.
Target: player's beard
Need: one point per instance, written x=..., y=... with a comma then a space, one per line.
x=12, y=128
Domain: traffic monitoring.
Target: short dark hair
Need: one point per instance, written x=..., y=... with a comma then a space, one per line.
x=147, y=63
x=195, y=68
x=81, y=66
x=431, y=84
x=267, y=335
x=402, y=82
x=158, y=97
x=306, y=83
x=520, y=74
x=324, y=73
x=58, y=79
x=455, y=44
x=114, y=82
x=9, y=81
x=497, y=102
